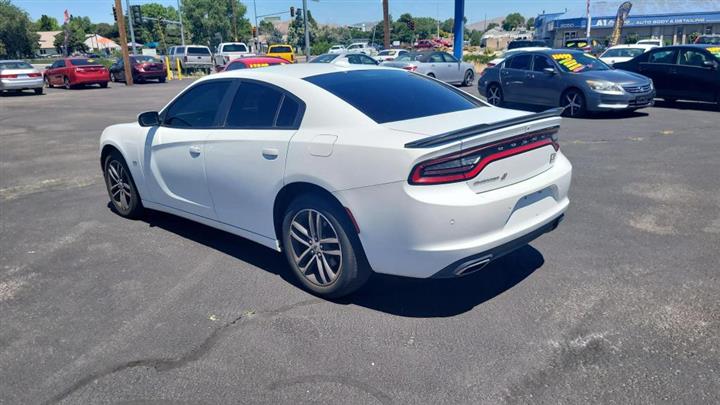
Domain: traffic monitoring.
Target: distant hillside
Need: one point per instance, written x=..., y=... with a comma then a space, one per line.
x=480, y=25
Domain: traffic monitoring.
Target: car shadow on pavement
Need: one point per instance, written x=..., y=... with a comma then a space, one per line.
x=688, y=105
x=395, y=295
x=592, y=115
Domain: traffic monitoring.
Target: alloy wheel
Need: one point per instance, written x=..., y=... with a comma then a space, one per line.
x=67, y=83
x=315, y=247
x=573, y=103
x=494, y=96
x=469, y=78
x=119, y=183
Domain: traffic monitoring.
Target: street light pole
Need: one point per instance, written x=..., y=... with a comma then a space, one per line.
x=130, y=21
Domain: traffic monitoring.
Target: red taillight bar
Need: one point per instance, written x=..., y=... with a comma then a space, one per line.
x=8, y=76
x=502, y=149
x=410, y=68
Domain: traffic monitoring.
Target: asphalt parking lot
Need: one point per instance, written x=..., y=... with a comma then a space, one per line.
x=619, y=305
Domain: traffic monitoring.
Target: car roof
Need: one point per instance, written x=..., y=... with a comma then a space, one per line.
x=274, y=45
x=294, y=70
x=631, y=46
x=256, y=59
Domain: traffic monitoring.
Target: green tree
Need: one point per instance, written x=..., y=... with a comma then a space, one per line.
x=46, y=23
x=272, y=34
x=475, y=38
x=17, y=38
x=530, y=25
x=491, y=26
x=296, y=32
x=209, y=20
x=77, y=33
x=108, y=31
x=513, y=21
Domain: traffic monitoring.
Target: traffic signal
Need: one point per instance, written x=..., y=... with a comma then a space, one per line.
x=411, y=25
x=136, y=14
x=254, y=32
x=114, y=13
x=292, y=11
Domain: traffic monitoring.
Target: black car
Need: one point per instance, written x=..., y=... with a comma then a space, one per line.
x=688, y=72
x=526, y=43
x=144, y=67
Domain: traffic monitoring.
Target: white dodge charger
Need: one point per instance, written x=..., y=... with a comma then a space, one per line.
x=348, y=170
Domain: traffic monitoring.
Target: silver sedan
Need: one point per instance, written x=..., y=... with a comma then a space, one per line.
x=17, y=75
x=440, y=65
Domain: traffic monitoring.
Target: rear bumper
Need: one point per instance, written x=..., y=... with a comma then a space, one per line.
x=604, y=102
x=90, y=79
x=21, y=84
x=426, y=231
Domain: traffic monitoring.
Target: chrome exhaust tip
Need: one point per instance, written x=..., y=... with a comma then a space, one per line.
x=472, y=266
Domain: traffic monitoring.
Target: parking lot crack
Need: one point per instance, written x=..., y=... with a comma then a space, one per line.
x=162, y=364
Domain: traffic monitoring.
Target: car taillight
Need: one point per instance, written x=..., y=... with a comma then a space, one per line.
x=388, y=59
x=490, y=64
x=34, y=75
x=8, y=76
x=80, y=70
x=466, y=164
x=410, y=68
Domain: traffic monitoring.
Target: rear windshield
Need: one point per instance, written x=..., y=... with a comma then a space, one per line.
x=15, y=65
x=84, y=62
x=411, y=57
x=196, y=50
x=394, y=95
x=234, y=48
x=236, y=66
x=327, y=58
x=145, y=59
x=284, y=49
x=623, y=53
x=709, y=40
x=525, y=44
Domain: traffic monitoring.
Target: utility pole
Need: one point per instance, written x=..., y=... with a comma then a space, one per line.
x=123, y=42
x=589, y=22
x=307, y=33
x=386, y=24
x=132, y=32
x=182, y=28
x=233, y=4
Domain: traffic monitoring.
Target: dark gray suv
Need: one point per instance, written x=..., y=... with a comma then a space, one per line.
x=571, y=79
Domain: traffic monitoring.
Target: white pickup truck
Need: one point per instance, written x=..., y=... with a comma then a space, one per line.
x=361, y=47
x=227, y=51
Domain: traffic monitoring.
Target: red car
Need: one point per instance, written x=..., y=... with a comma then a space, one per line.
x=144, y=67
x=252, y=62
x=73, y=72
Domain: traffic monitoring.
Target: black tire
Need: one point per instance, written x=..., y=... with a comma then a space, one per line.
x=103, y=85
x=469, y=78
x=573, y=102
x=431, y=75
x=494, y=95
x=162, y=79
x=38, y=91
x=670, y=100
x=47, y=83
x=66, y=83
x=112, y=77
x=128, y=203
x=351, y=270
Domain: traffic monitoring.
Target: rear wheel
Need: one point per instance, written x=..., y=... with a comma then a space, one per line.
x=494, y=95
x=322, y=247
x=431, y=75
x=47, y=82
x=104, y=85
x=112, y=77
x=469, y=78
x=162, y=79
x=574, y=103
x=66, y=83
x=121, y=187
x=38, y=91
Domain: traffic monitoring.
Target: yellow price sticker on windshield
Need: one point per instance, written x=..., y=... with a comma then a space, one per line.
x=257, y=65
x=568, y=61
x=715, y=50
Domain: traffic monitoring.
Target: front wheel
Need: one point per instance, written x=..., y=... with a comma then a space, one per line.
x=47, y=83
x=322, y=247
x=66, y=83
x=162, y=79
x=121, y=187
x=573, y=102
x=103, y=85
x=469, y=78
x=38, y=91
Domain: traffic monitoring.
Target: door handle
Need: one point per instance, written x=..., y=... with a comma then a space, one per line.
x=270, y=153
x=195, y=150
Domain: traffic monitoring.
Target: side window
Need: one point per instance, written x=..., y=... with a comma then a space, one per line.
x=436, y=58
x=541, y=62
x=521, y=62
x=254, y=106
x=54, y=65
x=663, y=56
x=288, y=113
x=449, y=58
x=60, y=64
x=354, y=59
x=197, y=107
x=366, y=60
x=691, y=57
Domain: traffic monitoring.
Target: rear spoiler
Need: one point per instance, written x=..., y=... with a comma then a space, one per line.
x=452, y=136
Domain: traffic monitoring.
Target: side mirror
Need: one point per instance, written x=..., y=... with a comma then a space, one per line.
x=149, y=119
x=549, y=71
x=710, y=64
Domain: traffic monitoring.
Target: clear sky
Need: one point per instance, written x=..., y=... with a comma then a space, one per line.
x=325, y=11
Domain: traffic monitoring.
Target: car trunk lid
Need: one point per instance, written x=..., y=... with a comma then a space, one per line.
x=487, y=148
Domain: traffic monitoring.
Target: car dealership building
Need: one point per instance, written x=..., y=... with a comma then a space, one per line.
x=672, y=22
